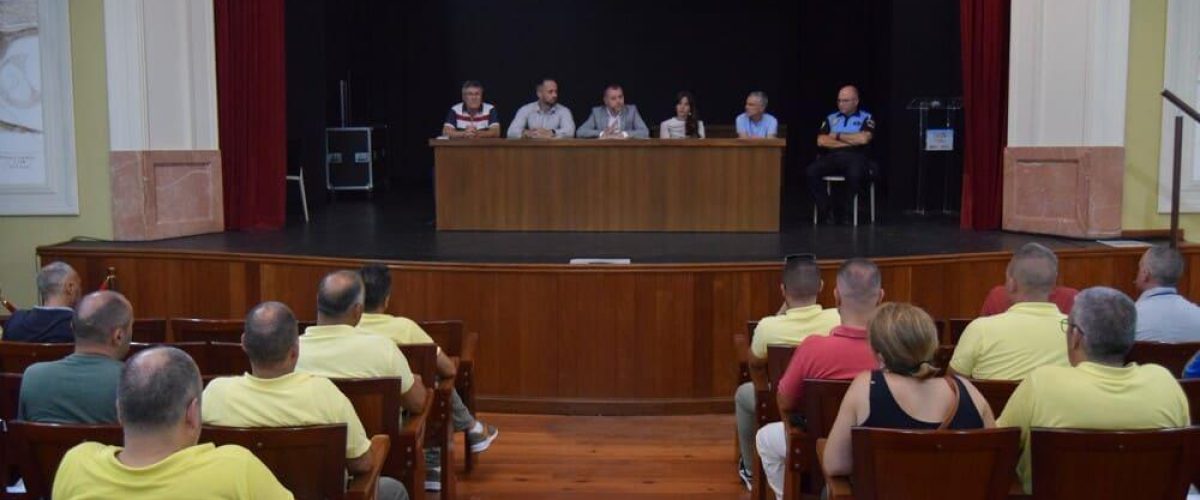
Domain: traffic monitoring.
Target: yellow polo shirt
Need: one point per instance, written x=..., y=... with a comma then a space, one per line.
x=1009, y=345
x=343, y=351
x=792, y=327
x=92, y=471
x=1094, y=396
x=295, y=399
x=401, y=330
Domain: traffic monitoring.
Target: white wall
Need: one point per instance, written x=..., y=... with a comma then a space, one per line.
x=1067, y=72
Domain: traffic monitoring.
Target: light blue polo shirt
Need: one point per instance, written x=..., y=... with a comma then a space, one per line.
x=1165, y=316
x=766, y=127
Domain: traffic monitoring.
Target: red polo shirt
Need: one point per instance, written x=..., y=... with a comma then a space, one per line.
x=998, y=301
x=841, y=355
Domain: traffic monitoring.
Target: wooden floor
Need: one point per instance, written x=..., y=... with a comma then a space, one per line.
x=549, y=456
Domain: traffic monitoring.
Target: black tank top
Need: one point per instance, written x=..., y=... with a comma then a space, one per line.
x=886, y=412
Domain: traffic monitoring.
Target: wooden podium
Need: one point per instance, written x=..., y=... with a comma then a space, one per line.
x=597, y=185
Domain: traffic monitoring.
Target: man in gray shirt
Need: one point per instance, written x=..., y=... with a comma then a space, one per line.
x=615, y=119
x=1162, y=314
x=82, y=388
x=544, y=118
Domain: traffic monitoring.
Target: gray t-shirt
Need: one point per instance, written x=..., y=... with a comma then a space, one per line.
x=78, y=389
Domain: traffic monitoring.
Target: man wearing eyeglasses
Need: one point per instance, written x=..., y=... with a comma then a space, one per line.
x=800, y=318
x=1010, y=345
x=843, y=141
x=1098, y=390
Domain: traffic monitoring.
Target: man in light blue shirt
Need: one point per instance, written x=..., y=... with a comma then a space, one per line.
x=544, y=118
x=1162, y=314
x=756, y=123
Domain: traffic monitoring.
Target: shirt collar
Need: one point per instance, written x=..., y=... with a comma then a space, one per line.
x=1107, y=372
x=54, y=308
x=849, y=116
x=282, y=379
x=1157, y=291
x=1038, y=308
x=850, y=332
x=803, y=311
x=329, y=331
x=537, y=107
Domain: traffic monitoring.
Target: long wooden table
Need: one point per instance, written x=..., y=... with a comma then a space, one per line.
x=595, y=185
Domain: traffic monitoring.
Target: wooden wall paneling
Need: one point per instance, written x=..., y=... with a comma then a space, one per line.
x=597, y=320
x=526, y=337
x=661, y=359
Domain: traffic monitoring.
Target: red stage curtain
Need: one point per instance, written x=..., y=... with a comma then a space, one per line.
x=252, y=107
x=985, y=106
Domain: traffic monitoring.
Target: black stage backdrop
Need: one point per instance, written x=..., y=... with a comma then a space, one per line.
x=405, y=62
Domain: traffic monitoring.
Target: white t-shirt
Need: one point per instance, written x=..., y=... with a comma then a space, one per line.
x=674, y=128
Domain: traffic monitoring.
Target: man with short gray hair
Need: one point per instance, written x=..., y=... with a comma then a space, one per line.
x=1098, y=390
x=59, y=289
x=1163, y=314
x=81, y=388
x=1009, y=345
x=158, y=401
x=756, y=123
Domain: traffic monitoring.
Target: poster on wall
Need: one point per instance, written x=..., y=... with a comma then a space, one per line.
x=22, y=137
x=37, y=149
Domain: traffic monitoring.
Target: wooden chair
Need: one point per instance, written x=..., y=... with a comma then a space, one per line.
x=462, y=347
x=206, y=330
x=439, y=427
x=941, y=358
x=150, y=331
x=309, y=461
x=951, y=329
x=1191, y=387
x=1173, y=357
x=15, y=357
x=197, y=350
x=226, y=358
x=10, y=396
x=741, y=351
x=1150, y=464
x=921, y=464
x=996, y=392
x=766, y=409
x=302, y=324
x=38, y=449
x=822, y=400
x=377, y=403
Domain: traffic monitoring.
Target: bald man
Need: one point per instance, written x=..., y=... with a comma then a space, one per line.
x=1010, y=345
x=81, y=388
x=842, y=140
x=58, y=289
x=158, y=401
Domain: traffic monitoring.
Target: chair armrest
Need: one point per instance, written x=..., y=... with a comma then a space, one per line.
x=839, y=486
x=364, y=486
x=796, y=437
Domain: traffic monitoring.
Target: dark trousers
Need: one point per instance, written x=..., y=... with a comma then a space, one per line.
x=853, y=165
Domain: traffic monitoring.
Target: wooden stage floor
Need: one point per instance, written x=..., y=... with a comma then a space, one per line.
x=556, y=457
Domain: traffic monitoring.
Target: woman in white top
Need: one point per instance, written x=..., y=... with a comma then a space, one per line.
x=686, y=123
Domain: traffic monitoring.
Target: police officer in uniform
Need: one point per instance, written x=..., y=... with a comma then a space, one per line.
x=843, y=141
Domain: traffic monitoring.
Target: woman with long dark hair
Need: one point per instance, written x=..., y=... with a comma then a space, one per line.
x=686, y=123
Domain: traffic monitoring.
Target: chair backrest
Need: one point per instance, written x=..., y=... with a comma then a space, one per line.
x=39, y=448
x=197, y=350
x=226, y=358
x=778, y=358
x=898, y=463
x=1173, y=357
x=822, y=400
x=448, y=334
x=203, y=330
x=422, y=360
x=1149, y=464
x=15, y=357
x=376, y=401
x=1191, y=387
x=996, y=392
x=150, y=331
x=309, y=461
x=10, y=395
x=941, y=357
x=302, y=324
x=954, y=328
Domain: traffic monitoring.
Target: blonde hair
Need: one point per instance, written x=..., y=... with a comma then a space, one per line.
x=905, y=337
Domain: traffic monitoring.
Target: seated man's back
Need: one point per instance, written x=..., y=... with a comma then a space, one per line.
x=92, y=471
x=343, y=351
x=401, y=330
x=295, y=399
x=1009, y=346
x=40, y=324
x=80, y=388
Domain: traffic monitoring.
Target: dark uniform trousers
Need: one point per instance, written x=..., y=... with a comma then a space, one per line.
x=853, y=165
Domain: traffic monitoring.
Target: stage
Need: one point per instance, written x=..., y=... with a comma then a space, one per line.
x=651, y=337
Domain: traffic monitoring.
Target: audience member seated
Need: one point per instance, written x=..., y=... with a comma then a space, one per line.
x=159, y=405
x=335, y=348
x=1098, y=391
x=800, y=317
x=841, y=355
x=59, y=289
x=615, y=119
x=998, y=300
x=686, y=123
x=756, y=123
x=82, y=388
x=905, y=394
x=1162, y=314
x=472, y=118
x=275, y=395
x=378, y=283
x=1008, y=346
